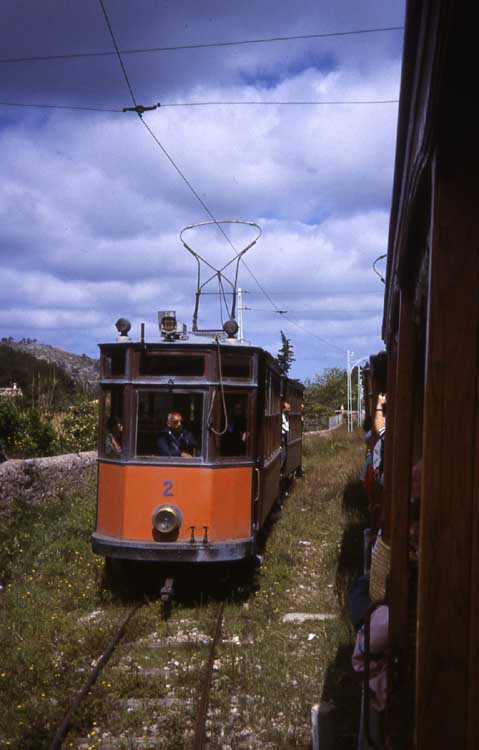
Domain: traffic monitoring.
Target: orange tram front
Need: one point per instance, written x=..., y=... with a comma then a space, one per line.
x=208, y=505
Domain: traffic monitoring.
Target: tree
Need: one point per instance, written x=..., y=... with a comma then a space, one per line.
x=326, y=393
x=285, y=357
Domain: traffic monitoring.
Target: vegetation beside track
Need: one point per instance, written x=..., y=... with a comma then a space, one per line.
x=57, y=616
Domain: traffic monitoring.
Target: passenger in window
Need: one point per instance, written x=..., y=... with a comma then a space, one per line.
x=113, y=438
x=235, y=438
x=286, y=408
x=174, y=441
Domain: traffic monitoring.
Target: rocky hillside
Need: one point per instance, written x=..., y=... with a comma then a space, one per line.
x=82, y=370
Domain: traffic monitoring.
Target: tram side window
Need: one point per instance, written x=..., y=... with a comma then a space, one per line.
x=236, y=366
x=295, y=416
x=236, y=439
x=272, y=415
x=113, y=363
x=159, y=429
x=112, y=432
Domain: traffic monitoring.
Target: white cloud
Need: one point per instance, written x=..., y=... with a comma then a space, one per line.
x=91, y=209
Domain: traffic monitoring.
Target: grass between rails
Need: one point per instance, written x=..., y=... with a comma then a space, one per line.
x=56, y=618
x=284, y=668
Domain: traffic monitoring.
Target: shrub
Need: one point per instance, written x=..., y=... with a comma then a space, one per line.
x=79, y=428
x=24, y=432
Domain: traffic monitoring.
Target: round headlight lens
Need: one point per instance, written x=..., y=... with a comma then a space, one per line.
x=166, y=519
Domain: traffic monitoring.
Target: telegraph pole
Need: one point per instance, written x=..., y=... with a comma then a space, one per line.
x=350, y=393
x=240, y=314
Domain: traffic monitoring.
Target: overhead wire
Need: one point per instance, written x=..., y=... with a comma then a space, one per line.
x=59, y=106
x=165, y=152
x=277, y=103
x=187, y=182
x=305, y=293
x=195, y=193
x=205, y=45
x=238, y=103
x=310, y=311
x=118, y=52
x=315, y=335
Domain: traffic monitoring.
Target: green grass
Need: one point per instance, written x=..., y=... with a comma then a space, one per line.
x=57, y=617
x=51, y=582
x=283, y=668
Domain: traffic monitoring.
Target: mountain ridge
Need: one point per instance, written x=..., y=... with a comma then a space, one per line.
x=84, y=371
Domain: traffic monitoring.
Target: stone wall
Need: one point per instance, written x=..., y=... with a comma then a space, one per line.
x=39, y=479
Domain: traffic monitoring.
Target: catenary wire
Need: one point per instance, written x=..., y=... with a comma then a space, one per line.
x=307, y=292
x=181, y=173
x=276, y=103
x=165, y=152
x=310, y=311
x=315, y=335
x=59, y=106
x=206, y=45
x=292, y=322
x=117, y=51
x=208, y=104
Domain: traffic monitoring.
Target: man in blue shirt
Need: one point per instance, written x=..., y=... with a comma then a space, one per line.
x=174, y=441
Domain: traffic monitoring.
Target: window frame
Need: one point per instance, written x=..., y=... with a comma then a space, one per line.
x=251, y=394
x=102, y=431
x=166, y=390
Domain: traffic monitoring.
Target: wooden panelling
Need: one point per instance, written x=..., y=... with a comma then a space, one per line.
x=445, y=687
x=400, y=685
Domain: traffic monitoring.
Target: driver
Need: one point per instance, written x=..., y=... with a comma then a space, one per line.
x=173, y=440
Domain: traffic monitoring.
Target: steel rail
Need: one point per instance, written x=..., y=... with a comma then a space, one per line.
x=64, y=727
x=200, y=725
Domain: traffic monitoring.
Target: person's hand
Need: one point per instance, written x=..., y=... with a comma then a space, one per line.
x=183, y=454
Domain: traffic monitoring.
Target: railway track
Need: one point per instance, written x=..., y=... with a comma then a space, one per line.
x=166, y=681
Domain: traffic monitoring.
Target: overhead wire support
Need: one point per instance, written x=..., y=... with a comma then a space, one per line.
x=140, y=108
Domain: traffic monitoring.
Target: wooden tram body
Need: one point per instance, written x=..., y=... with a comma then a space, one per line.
x=222, y=495
x=431, y=330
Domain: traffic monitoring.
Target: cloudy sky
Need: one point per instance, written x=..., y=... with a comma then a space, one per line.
x=92, y=200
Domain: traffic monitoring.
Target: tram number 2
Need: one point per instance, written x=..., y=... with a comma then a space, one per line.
x=168, y=486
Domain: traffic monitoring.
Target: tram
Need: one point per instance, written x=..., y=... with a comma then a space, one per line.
x=207, y=501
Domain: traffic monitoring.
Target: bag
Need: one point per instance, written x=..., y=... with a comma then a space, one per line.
x=379, y=570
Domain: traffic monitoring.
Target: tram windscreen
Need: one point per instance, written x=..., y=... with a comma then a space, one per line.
x=169, y=424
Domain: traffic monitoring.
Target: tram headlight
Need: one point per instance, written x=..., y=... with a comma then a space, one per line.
x=166, y=519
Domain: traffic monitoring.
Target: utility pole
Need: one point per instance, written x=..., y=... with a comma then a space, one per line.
x=240, y=314
x=350, y=393
x=351, y=364
x=359, y=395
